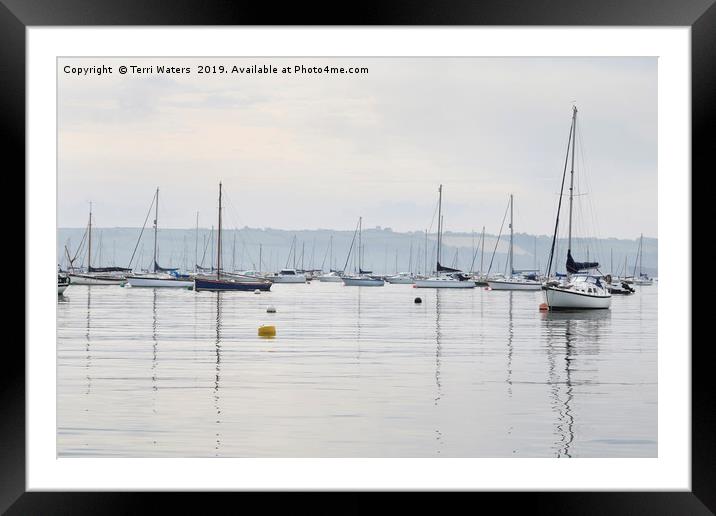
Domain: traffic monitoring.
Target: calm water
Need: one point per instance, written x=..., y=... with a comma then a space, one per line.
x=353, y=372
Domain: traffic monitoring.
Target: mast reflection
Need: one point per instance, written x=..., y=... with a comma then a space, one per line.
x=563, y=332
x=217, y=376
x=438, y=353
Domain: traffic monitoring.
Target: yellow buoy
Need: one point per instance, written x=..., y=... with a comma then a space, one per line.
x=267, y=331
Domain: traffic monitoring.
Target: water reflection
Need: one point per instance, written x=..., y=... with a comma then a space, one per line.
x=88, y=345
x=438, y=352
x=569, y=335
x=217, y=377
x=510, y=334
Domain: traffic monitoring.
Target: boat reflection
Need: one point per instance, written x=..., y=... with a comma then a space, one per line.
x=438, y=353
x=569, y=336
x=217, y=377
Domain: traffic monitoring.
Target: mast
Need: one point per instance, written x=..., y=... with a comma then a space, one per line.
x=641, y=251
x=233, y=253
x=218, y=241
x=426, y=251
x=196, y=243
x=410, y=257
x=156, y=218
x=482, y=250
x=440, y=223
x=611, y=260
x=260, y=250
x=330, y=251
x=512, y=265
x=89, y=241
x=360, y=246
x=571, y=176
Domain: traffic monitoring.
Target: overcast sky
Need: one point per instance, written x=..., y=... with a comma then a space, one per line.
x=317, y=151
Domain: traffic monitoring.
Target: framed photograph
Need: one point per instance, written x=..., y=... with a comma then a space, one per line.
x=424, y=252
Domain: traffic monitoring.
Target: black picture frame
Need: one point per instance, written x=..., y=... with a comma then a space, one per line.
x=17, y=15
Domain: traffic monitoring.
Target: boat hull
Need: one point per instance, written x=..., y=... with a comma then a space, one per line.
x=85, y=279
x=568, y=299
x=400, y=281
x=441, y=283
x=643, y=283
x=289, y=279
x=215, y=285
x=514, y=285
x=363, y=282
x=330, y=279
x=160, y=282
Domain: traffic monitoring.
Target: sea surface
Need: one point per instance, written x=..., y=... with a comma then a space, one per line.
x=353, y=372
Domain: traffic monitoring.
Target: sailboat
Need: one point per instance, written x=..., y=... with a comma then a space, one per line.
x=445, y=277
x=332, y=276
x=160, y=276
x=220, y=282
x=96, y=275
x=289, y=275
x=579, y=290
x=403, y=278
x=513, y=282
x=642, y=279
x=362, y=278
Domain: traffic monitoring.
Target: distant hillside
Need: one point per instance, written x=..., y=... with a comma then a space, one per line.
x=243, y=247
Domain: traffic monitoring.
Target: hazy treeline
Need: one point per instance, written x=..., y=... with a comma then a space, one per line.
x=243, y=248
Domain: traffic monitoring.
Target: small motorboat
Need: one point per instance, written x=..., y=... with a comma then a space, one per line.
x=63, y=281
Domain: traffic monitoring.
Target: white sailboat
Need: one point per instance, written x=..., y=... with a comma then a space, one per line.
x=642, y=279
x=332, y=276
x=362, y=278
x=289, y=275
x=513, y=282
x=444, y=277
x=160, y=276
x=402, y=278
x=579, y=290
x=96, y=275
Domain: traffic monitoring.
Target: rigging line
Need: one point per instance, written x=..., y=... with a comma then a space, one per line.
x=498, y=237
x=474, y=257
x=345, y=267
x=154, y=198
x=236, y=219
x=559, y=204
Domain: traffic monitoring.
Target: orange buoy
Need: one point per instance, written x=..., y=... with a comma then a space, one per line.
x=543, y=307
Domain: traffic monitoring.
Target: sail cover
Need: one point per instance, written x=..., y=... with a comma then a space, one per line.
x=573, y=267
x=159, y=268
x=108, y=269
x=361, y=271
x=446, y=269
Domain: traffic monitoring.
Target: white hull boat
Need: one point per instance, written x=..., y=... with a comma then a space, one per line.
x=444, y=282
x=288, y=276
x=362, y=281
x=158, y=281
x=404, y=278
x=580, y=290
x=92, y=279
x=331, y=277
x=299, y=278
x=643, y=281
x=514, y=284
x=560, y=298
